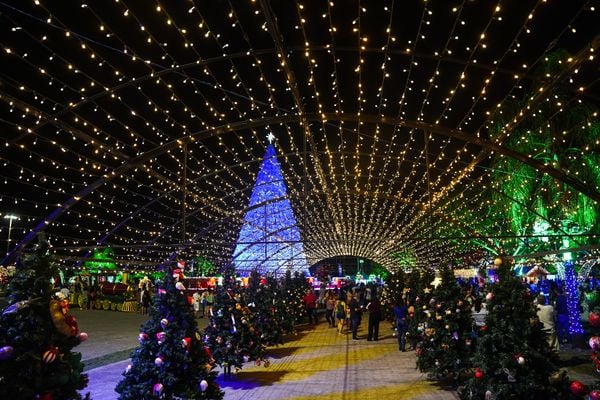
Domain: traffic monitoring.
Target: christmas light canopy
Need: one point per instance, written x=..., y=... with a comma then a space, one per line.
x=406, y=132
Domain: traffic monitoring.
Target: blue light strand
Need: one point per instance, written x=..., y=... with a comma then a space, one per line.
x=571, y=289
x=269, y=239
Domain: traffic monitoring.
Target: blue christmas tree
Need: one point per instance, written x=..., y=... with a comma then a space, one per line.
x=269, y=239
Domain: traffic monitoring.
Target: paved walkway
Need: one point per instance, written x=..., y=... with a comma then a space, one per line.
x=315, y=363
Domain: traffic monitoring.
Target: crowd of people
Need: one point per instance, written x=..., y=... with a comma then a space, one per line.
x=344, y=308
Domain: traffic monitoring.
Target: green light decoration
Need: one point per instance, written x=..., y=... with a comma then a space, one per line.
x=204, y=267
x=543, y=213
x=405, y=259
x=102, y=260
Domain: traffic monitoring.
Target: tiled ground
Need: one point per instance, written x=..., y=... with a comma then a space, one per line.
x=315, y=363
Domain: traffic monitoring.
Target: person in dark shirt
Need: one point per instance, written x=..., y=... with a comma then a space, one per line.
x=401, y=313
x=355, y=315
x=374, y=308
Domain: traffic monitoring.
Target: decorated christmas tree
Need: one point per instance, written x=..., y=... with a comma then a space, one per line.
x=294, y=288
x=513, y=359
x=269, y=237
x=262, y=302
x=393, y=292
x=37, y=335
x=171, y=361
x=230, y=335
x=418, y=294
x=446, y=346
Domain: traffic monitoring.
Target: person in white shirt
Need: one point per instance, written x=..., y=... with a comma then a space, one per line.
x=479, y=312
x=546, y=315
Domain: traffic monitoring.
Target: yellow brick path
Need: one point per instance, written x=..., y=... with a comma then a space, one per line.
x=320, y=363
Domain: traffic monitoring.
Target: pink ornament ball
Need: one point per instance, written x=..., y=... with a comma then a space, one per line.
x=142, y=337
x=521, y=360
x=594, y=394
x=594, y=342
x=159, y=361
x=83, y=336
x=489, y=296
x=578, y=388
x=203, y=385
x=158, y=389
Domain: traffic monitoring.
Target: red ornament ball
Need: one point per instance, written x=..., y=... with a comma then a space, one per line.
x=479, y=373
x=594, y=320
x=594, y=394
x=578, y=388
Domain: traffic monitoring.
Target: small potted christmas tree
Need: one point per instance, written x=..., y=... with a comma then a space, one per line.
x=513, y=359
x=446, y=345
x=230, y=335
x=171, y=361
x=37, y=335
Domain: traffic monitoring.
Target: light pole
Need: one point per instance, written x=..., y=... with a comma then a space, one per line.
x=10, y=219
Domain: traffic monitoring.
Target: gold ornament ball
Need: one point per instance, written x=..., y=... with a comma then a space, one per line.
x=498, y=262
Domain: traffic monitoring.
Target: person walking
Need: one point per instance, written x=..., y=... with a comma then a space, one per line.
x=401, y=314
x=340, y=314
x=210, y=300
x=547, y=316
x=374, y=308
x=196, y=300
x=310, y=305
x=355, y=315
x=329, y=306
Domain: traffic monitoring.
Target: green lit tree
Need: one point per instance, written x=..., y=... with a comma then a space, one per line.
x=171, y=361
x=531, y=202
x=446, y=346
x=37, y=335
x=230, y=334
x=512, y=359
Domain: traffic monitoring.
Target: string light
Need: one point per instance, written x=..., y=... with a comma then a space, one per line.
x=82, y=99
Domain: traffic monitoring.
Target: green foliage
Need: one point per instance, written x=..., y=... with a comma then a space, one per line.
x=31, y=328
x=205, y=267
x=513, y=331
x=392, y=294
x=294, y=289
x=184, y=365
x=262, y=302
x=230, y=334
x=418, y=294
x=102, y=259
x=446, y=345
